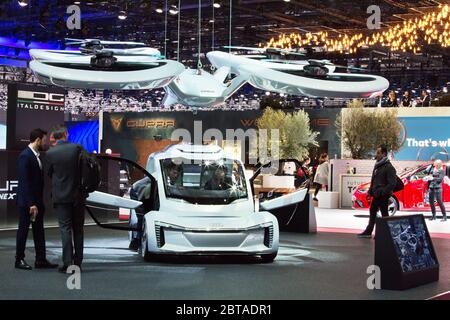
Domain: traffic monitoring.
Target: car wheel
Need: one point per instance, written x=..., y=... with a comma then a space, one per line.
x=392, y=207
x=268, y=258
x=144, y=244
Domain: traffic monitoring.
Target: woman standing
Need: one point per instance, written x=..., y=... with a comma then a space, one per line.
x=436, y=177
x=392, y=100
x=321, y=177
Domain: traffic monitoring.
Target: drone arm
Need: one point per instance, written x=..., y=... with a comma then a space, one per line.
x=236, y=84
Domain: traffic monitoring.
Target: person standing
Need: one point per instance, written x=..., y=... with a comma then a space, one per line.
x=435, y=188
x=392, y=100
x=68, y=199
x=302, y=174
x=406, y=100
x=31, y=203
x=425, y=101
x=321, y=177
x=384, y=179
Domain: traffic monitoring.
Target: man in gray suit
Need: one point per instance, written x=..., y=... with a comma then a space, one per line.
x=68, y=199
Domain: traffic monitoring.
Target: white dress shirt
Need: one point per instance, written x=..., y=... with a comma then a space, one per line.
x=37, y=154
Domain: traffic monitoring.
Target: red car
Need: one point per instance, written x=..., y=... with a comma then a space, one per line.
x=413, y=197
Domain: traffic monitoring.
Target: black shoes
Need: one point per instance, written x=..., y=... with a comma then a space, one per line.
x=365, y=234
x=444, y=219
x=433, y=218
x=134, y=245
x=21, y=264
x=45, y=264
x=63, y=269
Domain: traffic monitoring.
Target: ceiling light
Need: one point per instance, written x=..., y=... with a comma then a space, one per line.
x=122, y=15
x=173, y=11
x=159, y=10
x=23, y=3
x=216, y=5
x=287, y=0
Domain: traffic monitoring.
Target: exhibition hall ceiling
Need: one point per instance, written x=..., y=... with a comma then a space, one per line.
x=253, y=22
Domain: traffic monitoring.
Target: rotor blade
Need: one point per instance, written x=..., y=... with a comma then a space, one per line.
x=130, y=43
x=351, y=68
x=246, y=48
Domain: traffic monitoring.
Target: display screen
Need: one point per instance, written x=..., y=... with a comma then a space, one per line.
x=412, y=243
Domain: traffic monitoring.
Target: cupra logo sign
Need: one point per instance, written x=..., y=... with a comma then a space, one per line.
x=142, y=123
x=7, y=190
x=116, y=122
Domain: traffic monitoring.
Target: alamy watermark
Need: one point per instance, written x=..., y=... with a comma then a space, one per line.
x=74, y=19
x=374, y=21
x=374, y=279
x=263, y=145
x=74, y=280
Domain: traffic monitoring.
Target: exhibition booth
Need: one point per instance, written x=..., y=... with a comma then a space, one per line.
x=265, y=152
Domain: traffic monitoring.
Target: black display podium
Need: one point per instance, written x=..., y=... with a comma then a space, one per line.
x=299, y=217
x=404, y=252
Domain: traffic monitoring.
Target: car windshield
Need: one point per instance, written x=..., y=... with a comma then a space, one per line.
x=204, y=182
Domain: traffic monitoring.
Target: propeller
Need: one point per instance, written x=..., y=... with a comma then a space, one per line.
x=73, y=41
x=329, y=63
x=268, y=50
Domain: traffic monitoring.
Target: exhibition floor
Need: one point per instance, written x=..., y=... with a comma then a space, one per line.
x=354, y=221
x=326, y=265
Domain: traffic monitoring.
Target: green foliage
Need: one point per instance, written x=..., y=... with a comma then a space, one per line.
x=294, y=134
x=362, y=130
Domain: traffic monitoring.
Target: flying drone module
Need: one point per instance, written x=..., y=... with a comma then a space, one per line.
x=315, y=78
x=199, y=88
x=99, y=65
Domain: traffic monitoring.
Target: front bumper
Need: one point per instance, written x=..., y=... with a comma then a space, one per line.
x=219, y=237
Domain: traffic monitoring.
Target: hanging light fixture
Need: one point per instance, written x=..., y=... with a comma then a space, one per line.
x=173, y=10
x=216, y=5
x=122, y=15
x=23, y=3
x=159, y=10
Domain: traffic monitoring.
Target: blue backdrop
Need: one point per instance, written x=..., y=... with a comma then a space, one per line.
x=424, y=138
x=84, y=133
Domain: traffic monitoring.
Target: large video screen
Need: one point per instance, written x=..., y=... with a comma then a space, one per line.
x=412, y=243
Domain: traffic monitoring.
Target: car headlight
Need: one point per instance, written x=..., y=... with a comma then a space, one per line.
x=363, y=190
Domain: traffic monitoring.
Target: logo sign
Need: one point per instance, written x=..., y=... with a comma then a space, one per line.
x=150, y=123
x=74, y=20
x=116, y=122
x=249, y=122
x=35, y=100
x=7, y=190
x=374, y=21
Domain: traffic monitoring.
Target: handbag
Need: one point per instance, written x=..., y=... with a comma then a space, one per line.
x=399, y=185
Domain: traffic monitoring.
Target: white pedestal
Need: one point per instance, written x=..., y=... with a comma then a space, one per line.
x=278, y=182
x=328, y=199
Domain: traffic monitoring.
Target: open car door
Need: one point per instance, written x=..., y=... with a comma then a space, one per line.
x=126, y=192
x=284, y=193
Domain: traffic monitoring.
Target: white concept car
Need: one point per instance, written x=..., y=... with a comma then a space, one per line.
x=194, y=200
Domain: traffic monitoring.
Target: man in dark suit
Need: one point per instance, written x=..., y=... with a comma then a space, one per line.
x=30, y=202
x=68, y=200
x=384, y=179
